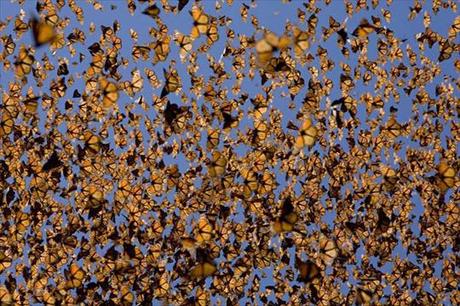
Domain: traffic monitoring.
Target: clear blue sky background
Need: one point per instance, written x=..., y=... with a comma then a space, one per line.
x=272, y=15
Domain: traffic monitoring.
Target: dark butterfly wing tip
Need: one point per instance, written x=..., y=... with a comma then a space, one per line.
x=164, y=93
x=182, y=4
x=264, y=79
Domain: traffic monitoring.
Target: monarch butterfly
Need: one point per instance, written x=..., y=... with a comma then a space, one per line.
x=74, y=276
x=204, y=231
x=454, y=29
x=327, y=65
x=5, y=296
x=393, y=127
x=344, y=103
x=386, y=15
x=58, y=88
x=8, y=45
x=77, y=35
x=217, y=165
x=141, y=52
x=301, y=41
x=22, y=222
x=346, y=83
x=414, y=10
x=92, y=142
x=446, y=51
x=43, y=32
x=95, y=49
x=126, y=190
x=173, y=176
x=267, y=183
x=258, y=112
x=238, y=280
x=163, y=286
x=172, y=82
x=308, y=271
x=6, y=124
x=109, y=92
x=328, y=248
x=251, y=182
x=157, y=182
x=364, y=29
x=259, y=160
x=201, y=22
x=161, y=49
x=429, y=35
x=229, y=121
x=152, y=77
x=152, y=11
x=312, y=23
x=96, y=65
x=205, y=266
x=185, y=44
x=136, y=85
x=311, y=101
x=52, y=162
x=172, y=113
x=63, y=69
x=5, y=261
x=261, y=131
x=212, y=33
x=58, y=42
x=276, y=64
x=126, y=296
x=287, y=219
x=24, y=62
x=269, y=44
x=307, y=135
x=383, y=221
x=213, y=138
x=446, y=176
x=20, y=27
x=262, y=258
x=363, y=296
x=327, y=32
x=296, y=83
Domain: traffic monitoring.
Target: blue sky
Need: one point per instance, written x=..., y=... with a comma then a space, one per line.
x=271, y=15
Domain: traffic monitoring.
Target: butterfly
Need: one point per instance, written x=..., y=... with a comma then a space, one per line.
x=204, y=231
x=364, y=29
x=217, y=165
x=446, y=176
x=287, y=219
x=201, y=22
x=152, y=11
x=24, y=62
x=307, y=135
x=109, y=92
x=8, y=45
x=308, y=271
x=74, y=276
x=172, y=82
x=43, y=32
x=205, y=266
x=301, y=41
x=329, y=250
x=269, y=44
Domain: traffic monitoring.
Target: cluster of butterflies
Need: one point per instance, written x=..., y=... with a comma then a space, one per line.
x=181, y=184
